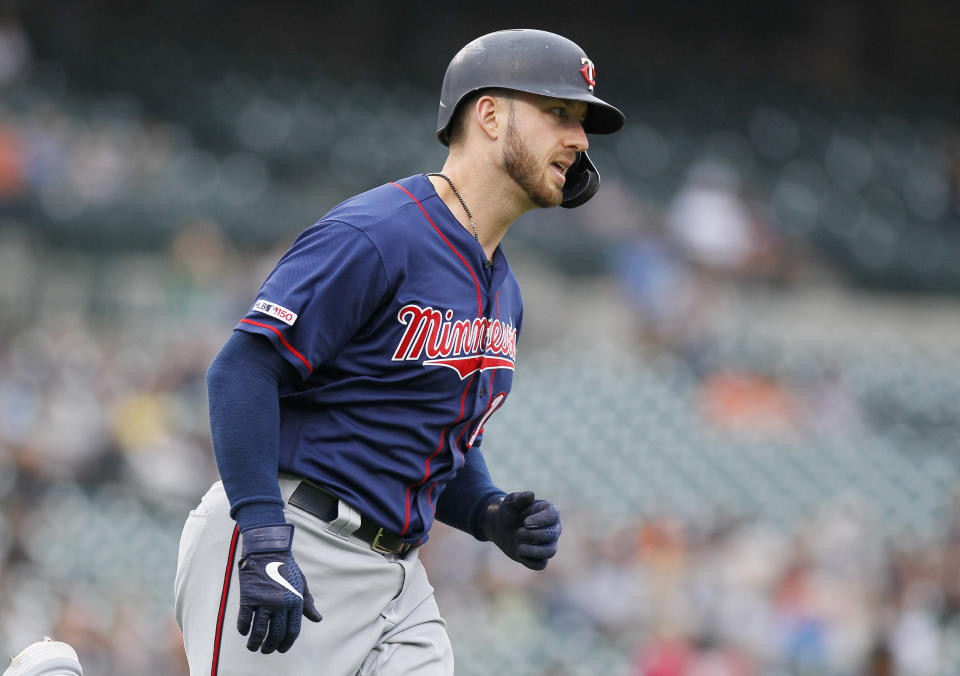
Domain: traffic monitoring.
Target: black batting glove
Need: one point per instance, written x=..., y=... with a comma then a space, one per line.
x=273, y=591
x=525, y=529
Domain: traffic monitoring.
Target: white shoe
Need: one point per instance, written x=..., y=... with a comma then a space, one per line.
x=46, y=658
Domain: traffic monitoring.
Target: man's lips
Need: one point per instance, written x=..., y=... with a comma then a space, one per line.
x=560, y=168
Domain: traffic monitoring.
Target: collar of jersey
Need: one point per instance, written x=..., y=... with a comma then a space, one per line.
x=465, y=242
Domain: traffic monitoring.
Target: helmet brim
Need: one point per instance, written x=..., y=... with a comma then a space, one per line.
x=602, y=118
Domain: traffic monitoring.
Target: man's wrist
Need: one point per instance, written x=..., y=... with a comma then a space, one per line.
x=254, y=514
x=488, y=522
x=272, y=538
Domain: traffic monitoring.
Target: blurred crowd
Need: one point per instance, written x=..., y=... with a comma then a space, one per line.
x=104, y=343
x=104, y=445
x=728, y=598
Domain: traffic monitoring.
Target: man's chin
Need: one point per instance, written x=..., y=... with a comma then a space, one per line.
x=549, y=193
x=550, y=196
x=543, y=194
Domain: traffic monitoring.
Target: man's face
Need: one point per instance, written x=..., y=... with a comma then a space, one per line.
x=542, y=139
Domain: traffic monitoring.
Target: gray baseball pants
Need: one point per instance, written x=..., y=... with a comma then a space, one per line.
x=379, y=613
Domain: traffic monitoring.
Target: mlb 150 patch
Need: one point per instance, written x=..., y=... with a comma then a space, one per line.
x=274, y=310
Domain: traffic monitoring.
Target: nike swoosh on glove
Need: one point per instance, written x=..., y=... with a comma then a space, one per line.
x=525, y=529
x=273, y=591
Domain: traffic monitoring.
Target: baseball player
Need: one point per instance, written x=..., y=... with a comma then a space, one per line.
x=347, y=408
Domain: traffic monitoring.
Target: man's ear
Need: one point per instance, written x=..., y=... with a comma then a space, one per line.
x=491, y=113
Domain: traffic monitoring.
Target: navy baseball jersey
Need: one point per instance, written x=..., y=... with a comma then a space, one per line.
x=405, y=338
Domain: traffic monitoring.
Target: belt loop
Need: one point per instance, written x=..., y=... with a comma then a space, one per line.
x=347, y=521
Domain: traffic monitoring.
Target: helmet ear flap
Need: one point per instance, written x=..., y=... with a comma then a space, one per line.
x=583, y=181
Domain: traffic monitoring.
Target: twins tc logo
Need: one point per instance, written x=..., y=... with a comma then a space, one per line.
x=589, y=72
x=467, y=345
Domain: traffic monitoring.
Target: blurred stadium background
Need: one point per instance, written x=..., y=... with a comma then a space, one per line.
x=740, y=371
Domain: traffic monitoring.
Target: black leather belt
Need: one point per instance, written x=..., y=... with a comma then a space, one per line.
x=323, y=505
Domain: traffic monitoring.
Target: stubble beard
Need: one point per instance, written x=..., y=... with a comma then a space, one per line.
x=523, y=168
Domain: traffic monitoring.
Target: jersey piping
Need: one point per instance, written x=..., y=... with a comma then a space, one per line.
x=452, y=248
x=463, y=397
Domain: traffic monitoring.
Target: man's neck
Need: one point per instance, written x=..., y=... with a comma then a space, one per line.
x=493, y=205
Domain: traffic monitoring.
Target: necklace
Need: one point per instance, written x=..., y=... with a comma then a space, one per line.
x=456, y=192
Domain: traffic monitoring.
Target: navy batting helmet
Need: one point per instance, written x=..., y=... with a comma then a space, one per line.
x=536, y=62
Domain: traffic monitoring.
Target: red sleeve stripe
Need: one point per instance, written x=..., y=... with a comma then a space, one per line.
x=452, y=248
x=223, y=600
x=282, y=340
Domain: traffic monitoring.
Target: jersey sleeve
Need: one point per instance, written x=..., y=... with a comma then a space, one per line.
x=321, y=292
